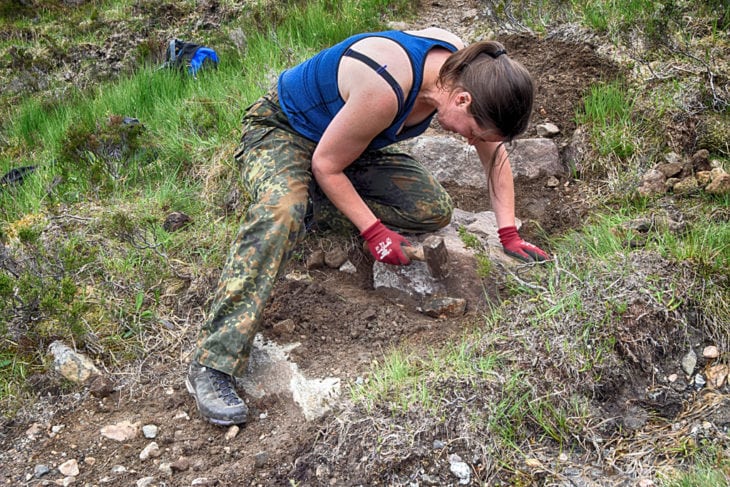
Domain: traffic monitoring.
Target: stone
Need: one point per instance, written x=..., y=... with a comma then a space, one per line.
x=72, y=365
x=150, y=451
x=69, y=468
x=444, y=307
x=413, y=279
x=450, y=159
x=711, y=351
x=181, y=464
x=232, y=432
x=122, y=431
x=669, y=169
x=703, y=178
x=670, y=182
x=652, y=183
x=686, y=186
x=701, y=160
x=673, y=158
x=720, y=183
x=33, y=431
x=335, y=258
x=535, y=159
x=145, y=482
x=547, y=129
x=348, y=268
x=689, y=361
x=204, y=482
x=460, y=469
x=260, y=459
x=165, y=468
x=271, y=372
x=315, y=259
x=40, y=470
x=149, y=431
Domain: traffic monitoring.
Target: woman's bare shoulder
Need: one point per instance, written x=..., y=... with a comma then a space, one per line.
x=438, y=33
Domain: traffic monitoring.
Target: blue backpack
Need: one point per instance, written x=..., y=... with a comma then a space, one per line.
x=189, y=56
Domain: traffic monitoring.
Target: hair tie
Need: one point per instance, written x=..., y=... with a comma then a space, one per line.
x=495, y=55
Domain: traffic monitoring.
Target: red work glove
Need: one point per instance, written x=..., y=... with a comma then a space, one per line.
x=516, y=247
x=385, y=245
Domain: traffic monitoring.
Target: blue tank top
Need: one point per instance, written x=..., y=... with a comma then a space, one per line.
x=310, y=98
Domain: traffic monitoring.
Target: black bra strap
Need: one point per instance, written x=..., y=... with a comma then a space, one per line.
x=382, y=71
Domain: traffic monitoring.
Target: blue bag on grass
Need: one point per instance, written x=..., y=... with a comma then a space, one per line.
x=189, y=56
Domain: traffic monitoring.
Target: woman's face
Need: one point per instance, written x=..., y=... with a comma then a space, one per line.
x=455, y=116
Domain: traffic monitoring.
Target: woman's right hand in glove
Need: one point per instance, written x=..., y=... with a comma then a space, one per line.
x=385, y=244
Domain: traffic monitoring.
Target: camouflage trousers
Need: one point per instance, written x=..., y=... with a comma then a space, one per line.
x=275, y=165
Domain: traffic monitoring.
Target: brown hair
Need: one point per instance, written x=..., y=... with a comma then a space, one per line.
x=501, y=88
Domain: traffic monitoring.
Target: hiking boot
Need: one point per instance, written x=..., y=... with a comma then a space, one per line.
x=215, y=394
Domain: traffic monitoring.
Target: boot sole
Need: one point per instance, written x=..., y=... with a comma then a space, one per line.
x=217, y=422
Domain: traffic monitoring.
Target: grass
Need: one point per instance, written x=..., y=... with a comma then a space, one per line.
x=608, y=113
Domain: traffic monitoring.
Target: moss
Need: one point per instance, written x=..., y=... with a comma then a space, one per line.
x=713, y=133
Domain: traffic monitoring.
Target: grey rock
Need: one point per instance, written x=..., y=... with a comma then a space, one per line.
x=260, y=459
x=689, y=361
x=40, y=470
x=547, y=130
x=460, y=469
x=150, y=431
x=451, y=159
x=348, y=268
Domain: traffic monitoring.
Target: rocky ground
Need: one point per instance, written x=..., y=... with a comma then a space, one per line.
x=325, y=327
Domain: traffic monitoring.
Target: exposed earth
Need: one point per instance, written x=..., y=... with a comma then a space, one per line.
x=342, y=325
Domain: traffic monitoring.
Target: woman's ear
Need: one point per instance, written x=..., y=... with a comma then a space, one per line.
x=463, y=99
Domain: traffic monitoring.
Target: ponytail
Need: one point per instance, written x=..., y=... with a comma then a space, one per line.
x=501, y=88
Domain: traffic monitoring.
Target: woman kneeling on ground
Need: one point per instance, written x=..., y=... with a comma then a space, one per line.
x=313, y=150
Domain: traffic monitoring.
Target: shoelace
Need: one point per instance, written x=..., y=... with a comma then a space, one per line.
x=223, y=383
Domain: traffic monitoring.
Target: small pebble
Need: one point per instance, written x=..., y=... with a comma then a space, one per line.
x=40, y=470
x=711, y=351
x=69, y=468
x=232, y=432
x=145, y=482
x=260, y=459
x=149, y=431
x=150, y=451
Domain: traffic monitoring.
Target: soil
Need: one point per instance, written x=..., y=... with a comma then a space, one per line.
x=341, y=324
